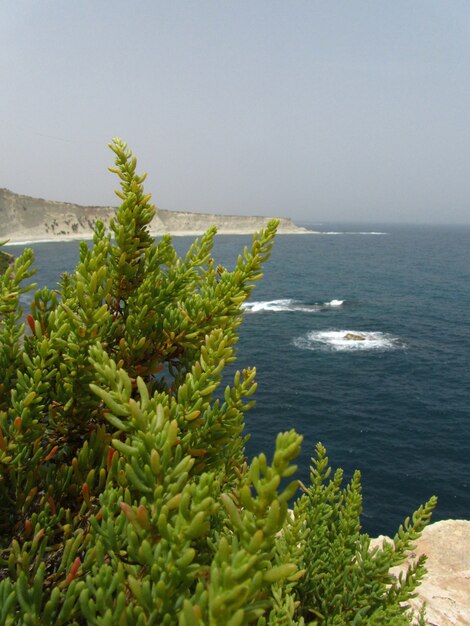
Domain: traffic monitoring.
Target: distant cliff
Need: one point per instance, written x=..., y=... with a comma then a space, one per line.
x=25, y=218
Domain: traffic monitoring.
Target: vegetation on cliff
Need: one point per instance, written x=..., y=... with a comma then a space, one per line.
x=125, y=494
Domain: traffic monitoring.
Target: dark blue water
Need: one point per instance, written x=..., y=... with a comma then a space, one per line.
x=394, y=403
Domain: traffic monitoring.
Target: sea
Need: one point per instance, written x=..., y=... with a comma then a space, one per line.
x=361, y=340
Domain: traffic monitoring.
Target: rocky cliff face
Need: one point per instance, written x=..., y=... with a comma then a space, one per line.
x=446, y=588
x=23, y=217
x=35, y=218
x=178, y=222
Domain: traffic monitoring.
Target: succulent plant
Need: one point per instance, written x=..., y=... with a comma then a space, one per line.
x=125, y=494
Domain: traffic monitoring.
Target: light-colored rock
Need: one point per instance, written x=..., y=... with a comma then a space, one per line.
x=446, y=588
x=23, y=218
x=354, y=337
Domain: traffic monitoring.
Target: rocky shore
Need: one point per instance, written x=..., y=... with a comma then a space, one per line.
x=23, y=218
x=446, y=588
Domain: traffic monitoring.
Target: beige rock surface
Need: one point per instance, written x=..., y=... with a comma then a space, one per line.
x=354, y=337
x=446, y=588
x=23, y=218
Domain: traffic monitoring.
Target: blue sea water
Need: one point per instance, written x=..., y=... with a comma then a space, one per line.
x=394, y=404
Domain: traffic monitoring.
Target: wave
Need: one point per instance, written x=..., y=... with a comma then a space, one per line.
x=334, y=303
x=288, y=305
x=28, y=242
x=347, y=340
x=58, y=239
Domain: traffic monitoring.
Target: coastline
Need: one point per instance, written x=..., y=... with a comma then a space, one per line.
x=27, y=238
x=444, y=589
x=25, y=220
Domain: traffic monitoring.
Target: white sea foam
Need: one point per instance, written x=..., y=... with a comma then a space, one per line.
x=267, y=305
x=58, y=239
x=28, y=242
x=334, y=303
x=288, y=305
x=347, y=340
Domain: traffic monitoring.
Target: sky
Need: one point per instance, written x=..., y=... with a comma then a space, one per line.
x=333, y=111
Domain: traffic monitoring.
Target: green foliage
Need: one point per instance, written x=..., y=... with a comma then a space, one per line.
x=125, y=495
x=6, y=260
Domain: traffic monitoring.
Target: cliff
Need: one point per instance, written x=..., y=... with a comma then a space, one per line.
x=25, y=218
x=446, y=588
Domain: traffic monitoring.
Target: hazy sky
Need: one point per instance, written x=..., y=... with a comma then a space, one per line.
x=316, y=110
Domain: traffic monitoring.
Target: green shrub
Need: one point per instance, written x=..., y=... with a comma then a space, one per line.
x=5, y=261
x=125, y=495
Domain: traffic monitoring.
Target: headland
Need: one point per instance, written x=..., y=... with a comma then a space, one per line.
x=25, y=219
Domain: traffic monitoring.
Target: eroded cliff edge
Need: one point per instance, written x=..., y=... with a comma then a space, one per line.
x=23, y=218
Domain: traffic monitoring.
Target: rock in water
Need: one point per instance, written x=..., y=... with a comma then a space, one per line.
x=354, y=337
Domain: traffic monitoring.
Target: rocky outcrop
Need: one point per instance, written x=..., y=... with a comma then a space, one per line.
x=354, y=337
x=26, y=218
x=446, y=588
x=196, y=223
